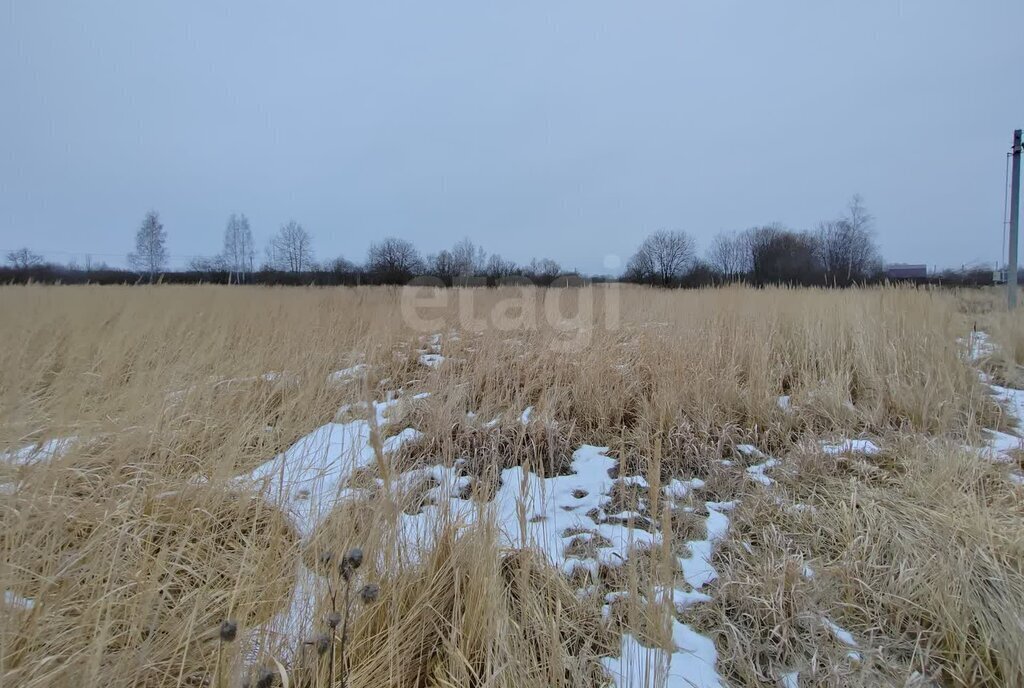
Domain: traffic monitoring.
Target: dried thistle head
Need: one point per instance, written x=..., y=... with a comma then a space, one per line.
x=333, y=619
x=355, y=558
x=369, y=593
x=265, y=678
x=323, y=643
x=228, y=630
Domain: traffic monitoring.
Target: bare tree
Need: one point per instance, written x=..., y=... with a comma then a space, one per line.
x=291, y=249
x=640, y=267
x=463, y=261
x=780, y=255
x=499, y=268
x=729, y=255
x=23, y=259
x=443, y=265
x=150, y=254
x=662, y=258
x=341, y=265
x=847, y=249
x=544, y=270
x=857, y=214
x=468, y=258
x=239, y=249
x=394, y=260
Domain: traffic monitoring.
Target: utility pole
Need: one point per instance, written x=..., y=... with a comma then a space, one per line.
x=1011, y=271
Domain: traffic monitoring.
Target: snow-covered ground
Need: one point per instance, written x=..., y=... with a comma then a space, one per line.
x=550, y=514
x=1000, y=446
x=554, y=515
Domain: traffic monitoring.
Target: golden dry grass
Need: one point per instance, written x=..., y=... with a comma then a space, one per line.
x=134, y=544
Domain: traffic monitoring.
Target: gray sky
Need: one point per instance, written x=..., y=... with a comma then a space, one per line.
x=561, y=128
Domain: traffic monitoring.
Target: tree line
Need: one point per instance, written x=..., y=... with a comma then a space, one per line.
x=838, y=252
x=288, y=258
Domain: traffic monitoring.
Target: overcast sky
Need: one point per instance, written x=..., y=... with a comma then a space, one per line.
x=567, y=129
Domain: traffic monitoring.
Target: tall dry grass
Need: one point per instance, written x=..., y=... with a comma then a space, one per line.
x=135, y=545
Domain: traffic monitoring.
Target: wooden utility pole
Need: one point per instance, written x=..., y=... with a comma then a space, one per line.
x=1011, y=269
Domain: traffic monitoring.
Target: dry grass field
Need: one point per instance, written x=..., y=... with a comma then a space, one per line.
x=566, y=487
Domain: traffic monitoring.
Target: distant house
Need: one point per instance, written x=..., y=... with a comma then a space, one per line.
x=898, y=271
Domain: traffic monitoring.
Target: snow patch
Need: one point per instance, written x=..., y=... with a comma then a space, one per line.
x=697, y=569
x=866, y=447
x=679, y=489
x=306, y=482
x=841, y=634
x=690, y=665
x=39, y=452
x=757, y=472
x=430, y=356
x=283, y=377
x=790, y=679
x=552, y=514
x=306, y=479
x=431, y=360
x=681, y=599
x=999, y=445
x=979, y=345
x=549, y=513
x=345, y=375
x=16, y=601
